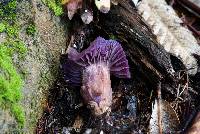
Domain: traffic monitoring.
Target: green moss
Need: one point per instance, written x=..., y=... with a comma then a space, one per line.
x=31, y=29
x=18, y=112
x=8, y=11
x=2, y=27
x=113, y=37
x=54, y=5
x=12, y=30
x=11, y=81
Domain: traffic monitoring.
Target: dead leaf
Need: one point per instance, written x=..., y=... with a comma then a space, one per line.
x=175, y=38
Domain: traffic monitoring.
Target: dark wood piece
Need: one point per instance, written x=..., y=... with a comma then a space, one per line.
x=150, y=58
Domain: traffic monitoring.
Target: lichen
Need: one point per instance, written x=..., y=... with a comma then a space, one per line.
x=11, y=81
x=31, y=29
x=54, y=5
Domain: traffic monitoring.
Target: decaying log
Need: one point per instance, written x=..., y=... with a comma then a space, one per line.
x=149, y=64
x=148, y=58
x=195, y=128
x=191, y=5
x=193, y=8
x=151, y=60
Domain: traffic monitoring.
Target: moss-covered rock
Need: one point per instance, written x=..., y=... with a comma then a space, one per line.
x=34, y=74
x=11, y=82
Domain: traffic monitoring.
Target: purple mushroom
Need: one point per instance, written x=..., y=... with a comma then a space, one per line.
x=91, y=69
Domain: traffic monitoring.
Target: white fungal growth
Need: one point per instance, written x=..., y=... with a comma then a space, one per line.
x=103, y=5
x=135, y=2
x=175, y=38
